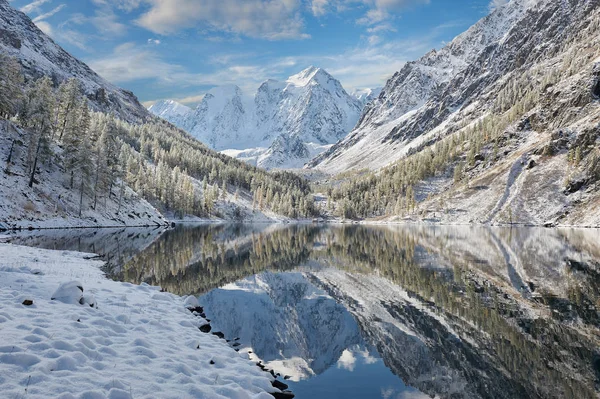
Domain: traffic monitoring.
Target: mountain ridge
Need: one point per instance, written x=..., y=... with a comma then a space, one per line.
x=39, y=55
x=283, y=118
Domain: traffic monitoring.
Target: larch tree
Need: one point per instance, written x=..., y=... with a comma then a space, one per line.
x=11, y=82
x=37, y=117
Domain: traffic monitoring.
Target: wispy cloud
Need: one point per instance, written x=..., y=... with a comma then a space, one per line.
x=44, y=16
x=130, y=62
x=33, y=6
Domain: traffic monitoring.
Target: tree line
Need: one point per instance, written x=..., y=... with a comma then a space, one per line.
x=101, y=155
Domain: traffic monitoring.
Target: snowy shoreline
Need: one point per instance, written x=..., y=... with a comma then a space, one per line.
x=137, y=342
x=171, y=223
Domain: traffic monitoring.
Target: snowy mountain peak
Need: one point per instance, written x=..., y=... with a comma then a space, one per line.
x=168, y=109
x=226, y=91
x=365, y=96
x=310, y=74
x=284, y=124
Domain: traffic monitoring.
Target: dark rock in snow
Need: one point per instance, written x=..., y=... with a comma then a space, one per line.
x=279, y=385
x=219, y=334
x=205, y=328
x=282, y=395
x=27, y=302
x=574, y=186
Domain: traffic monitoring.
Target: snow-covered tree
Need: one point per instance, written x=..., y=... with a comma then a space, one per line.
x=11, y=81
x=37, y=117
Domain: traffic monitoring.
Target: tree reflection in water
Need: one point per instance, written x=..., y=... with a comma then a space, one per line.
x=453, y=311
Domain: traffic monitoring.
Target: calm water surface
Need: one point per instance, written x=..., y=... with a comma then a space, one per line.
x=383, y=312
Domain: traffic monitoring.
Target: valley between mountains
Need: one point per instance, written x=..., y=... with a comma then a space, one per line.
x=499, y=126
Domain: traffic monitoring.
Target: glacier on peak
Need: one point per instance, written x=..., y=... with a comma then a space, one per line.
x=283, y=125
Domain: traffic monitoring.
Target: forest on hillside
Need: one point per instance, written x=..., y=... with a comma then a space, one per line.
x=102, y=154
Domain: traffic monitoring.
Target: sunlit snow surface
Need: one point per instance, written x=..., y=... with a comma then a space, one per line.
x=137, y=343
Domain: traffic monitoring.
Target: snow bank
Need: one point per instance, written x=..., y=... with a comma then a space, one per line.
x=136, y=342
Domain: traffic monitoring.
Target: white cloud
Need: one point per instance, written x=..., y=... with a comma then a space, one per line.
x=107, y=22
x=154, y=41
x=128, y=63
x=47, y=15
x=497, y=3
x=45, y=27
x=346, y=361
x=33, y=6
x=125, y=5
x=268, y=19
x=319, y=7
x=377, y=10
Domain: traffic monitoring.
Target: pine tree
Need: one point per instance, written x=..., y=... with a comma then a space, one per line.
x=577, y=157
x=458, y=172
x=77, y=126
x=37, y=117
x=69, y=98
x=11, y=81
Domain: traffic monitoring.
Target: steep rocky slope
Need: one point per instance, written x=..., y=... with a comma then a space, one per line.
x=519, y=91
x=284, y=125
x=41, y=56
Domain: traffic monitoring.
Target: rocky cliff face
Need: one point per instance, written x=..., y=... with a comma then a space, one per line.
x=41, y=56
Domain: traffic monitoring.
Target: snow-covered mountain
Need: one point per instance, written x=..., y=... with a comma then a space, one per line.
x=40, y=55
x=170, y=110
x=365, y=96
x=284, y=125
x=446, y=89
x=287, y=322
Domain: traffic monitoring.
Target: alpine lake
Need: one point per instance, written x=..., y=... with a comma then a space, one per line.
x=391, y=312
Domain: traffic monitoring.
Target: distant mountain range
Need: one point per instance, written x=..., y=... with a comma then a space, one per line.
x=284, y=125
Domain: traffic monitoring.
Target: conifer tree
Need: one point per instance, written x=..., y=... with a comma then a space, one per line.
x=37, y=117
x=11, y=81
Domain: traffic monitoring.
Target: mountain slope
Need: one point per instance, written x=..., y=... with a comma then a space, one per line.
x=41, y=56
x=67, y=166
x=284, y=125
x=446, y=88
x=500, y=126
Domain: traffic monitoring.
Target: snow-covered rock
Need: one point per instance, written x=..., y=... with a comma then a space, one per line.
x=69, y=292
x=284, y=125
x=141, y=343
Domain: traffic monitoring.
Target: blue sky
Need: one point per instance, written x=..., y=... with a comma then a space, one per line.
x=181, y=48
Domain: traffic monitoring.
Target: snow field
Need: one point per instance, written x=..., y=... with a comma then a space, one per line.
x=137, y=342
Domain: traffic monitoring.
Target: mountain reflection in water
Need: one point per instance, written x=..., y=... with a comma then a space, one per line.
x=394, y=311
